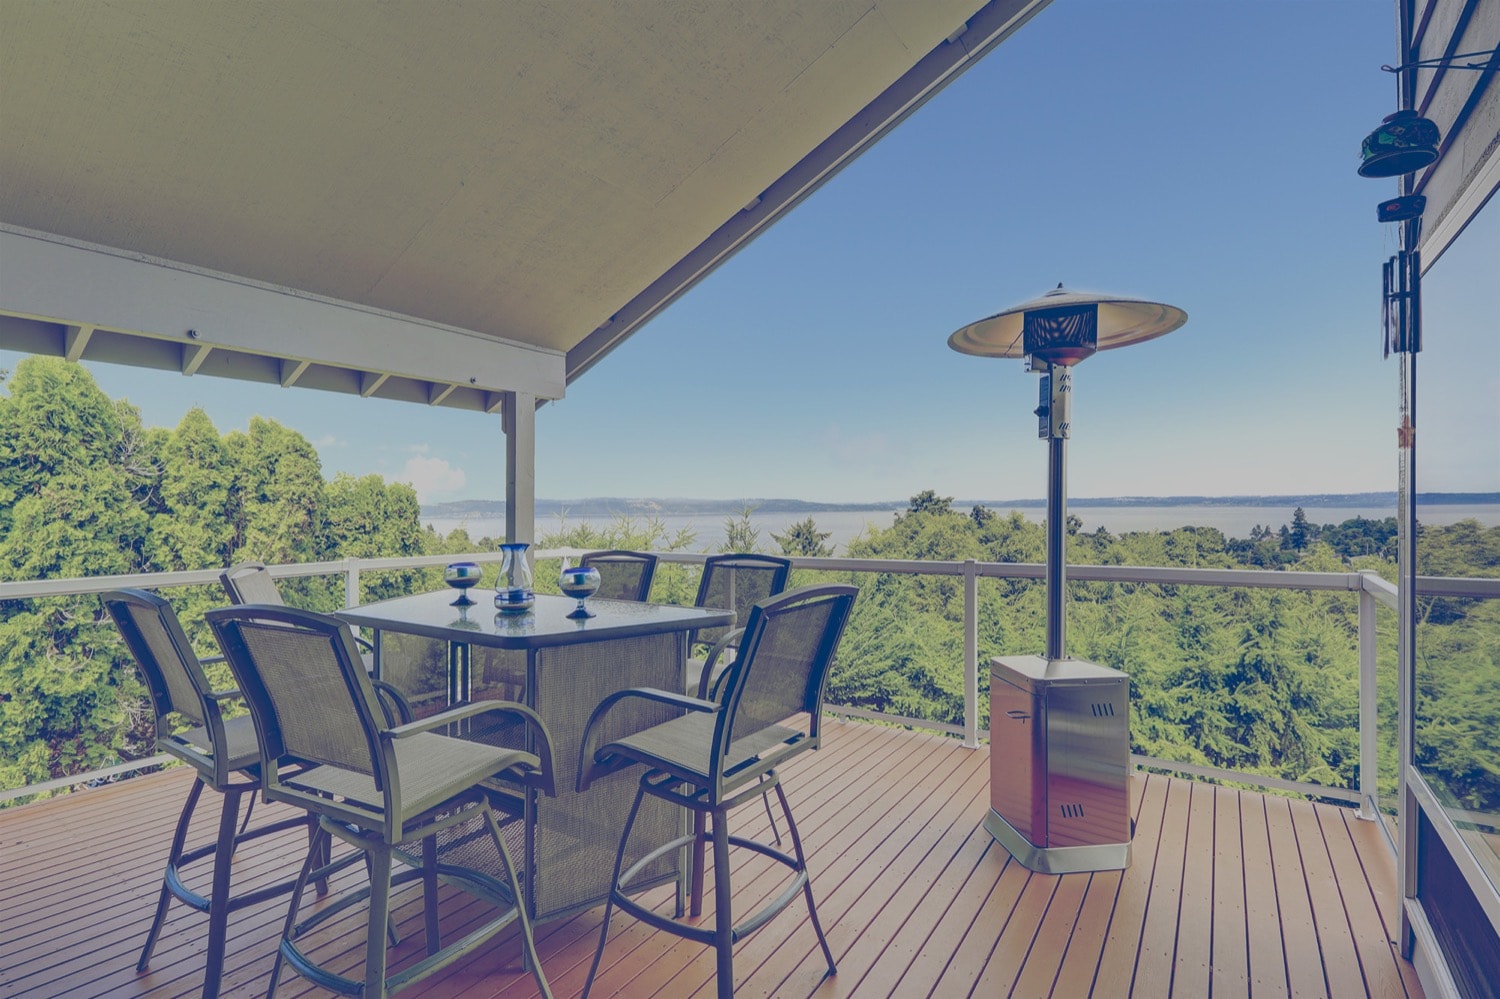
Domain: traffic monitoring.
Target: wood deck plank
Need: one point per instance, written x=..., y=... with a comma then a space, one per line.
x=1262, y=919
x=857, y=900
x=1230, y=977
x=1341, y=964
x=1299, y=932
x=1080, y=962
x=974, y=950
x=960, y=914
x=1006, y=960
x=1193, y=951
x=906, y=906
x=1378, y=956
x=895, y=966
x=842, y=823
x=915, y=897
x=1122, y=941
x=1381, y=879
x=1156, y=954
x=1038, y=973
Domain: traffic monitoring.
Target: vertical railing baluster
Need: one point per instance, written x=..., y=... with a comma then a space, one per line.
x=1369, y=707
x=971, y=654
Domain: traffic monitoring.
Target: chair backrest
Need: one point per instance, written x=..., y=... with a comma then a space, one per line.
x=308, y=691
x=783, y=663
x=622, y=575
x=166, y=659
x=250, y=583
x=738, y=582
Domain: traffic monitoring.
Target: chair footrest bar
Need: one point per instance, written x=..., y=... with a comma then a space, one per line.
x=452, y=952
x=351, y=898
x=759, y=919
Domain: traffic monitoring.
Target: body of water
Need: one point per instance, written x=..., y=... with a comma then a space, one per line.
x=844, y=525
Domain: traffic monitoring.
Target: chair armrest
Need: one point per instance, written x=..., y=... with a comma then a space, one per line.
x=542, y=780
x=706, y=683
x=589, y=768
x=224, y=695
x=364, y=643
x=393, y=704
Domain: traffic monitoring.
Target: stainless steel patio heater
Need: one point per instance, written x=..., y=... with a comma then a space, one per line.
x=1059, y=727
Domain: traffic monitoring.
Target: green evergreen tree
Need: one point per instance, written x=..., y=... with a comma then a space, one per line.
x=739, y=534
x=276, y=498
x=191, y=530
x=804, y=538
x=1301, y=532
x=67, y=696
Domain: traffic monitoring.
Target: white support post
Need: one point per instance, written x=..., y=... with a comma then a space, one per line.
x=519, y=420
x=971, y=654
x=351, y=583
x=1369, y=758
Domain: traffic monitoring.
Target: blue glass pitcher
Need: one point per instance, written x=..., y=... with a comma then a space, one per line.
x=513, y=592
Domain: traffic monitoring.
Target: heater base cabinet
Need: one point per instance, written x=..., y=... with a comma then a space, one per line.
x=1060, y=764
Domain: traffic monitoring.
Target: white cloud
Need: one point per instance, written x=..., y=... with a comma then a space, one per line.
x=431, y=477
x=328, y=440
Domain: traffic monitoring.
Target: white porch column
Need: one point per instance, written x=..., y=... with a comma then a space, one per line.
x=519, y=421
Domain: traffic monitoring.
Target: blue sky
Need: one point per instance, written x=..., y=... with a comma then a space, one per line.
x=1197, y=152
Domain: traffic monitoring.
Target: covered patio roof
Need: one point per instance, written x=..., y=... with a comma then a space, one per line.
x=453, y=204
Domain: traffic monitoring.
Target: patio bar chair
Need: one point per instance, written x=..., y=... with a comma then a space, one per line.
x=623, y=575
x=722, y=753
x=383, y=789
x=737, y=581
x=252, y=583
x=223, y=751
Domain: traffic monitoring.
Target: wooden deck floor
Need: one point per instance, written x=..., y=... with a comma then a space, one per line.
x=1230, y=894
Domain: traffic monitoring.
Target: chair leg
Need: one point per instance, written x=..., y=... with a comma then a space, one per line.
x=218, y=901
x=812, y=909
x=723, y=916
x=173, y=857
x=249, y=811
x=614, y=883
x=380, y=913
x=314, y=854
x=528, y=941
x=323, y=857
x=766, y=800
x=429, y=893
x=700, y=834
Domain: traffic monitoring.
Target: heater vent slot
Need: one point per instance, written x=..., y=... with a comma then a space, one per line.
x=1071, y=811
x=1104, y=710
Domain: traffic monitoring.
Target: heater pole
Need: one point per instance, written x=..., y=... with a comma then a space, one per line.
x=1060, y=379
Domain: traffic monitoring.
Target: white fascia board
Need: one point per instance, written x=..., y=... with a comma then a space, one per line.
x=51, y=278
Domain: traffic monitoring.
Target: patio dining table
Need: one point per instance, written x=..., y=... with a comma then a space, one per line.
x=561, y=667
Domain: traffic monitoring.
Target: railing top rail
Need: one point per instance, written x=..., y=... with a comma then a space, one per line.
x=1457, y=586
x=1162, y=575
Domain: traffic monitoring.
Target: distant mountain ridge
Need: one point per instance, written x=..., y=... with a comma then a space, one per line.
x=610, y=506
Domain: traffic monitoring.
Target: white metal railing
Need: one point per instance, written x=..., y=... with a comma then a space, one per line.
x=1370, y=587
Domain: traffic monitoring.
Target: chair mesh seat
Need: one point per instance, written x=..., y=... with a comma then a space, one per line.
x=685, y=746
x=429, y=765
x=241, y=750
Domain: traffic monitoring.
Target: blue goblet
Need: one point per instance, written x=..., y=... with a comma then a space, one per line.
x=461, y=576
x=581, y=582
